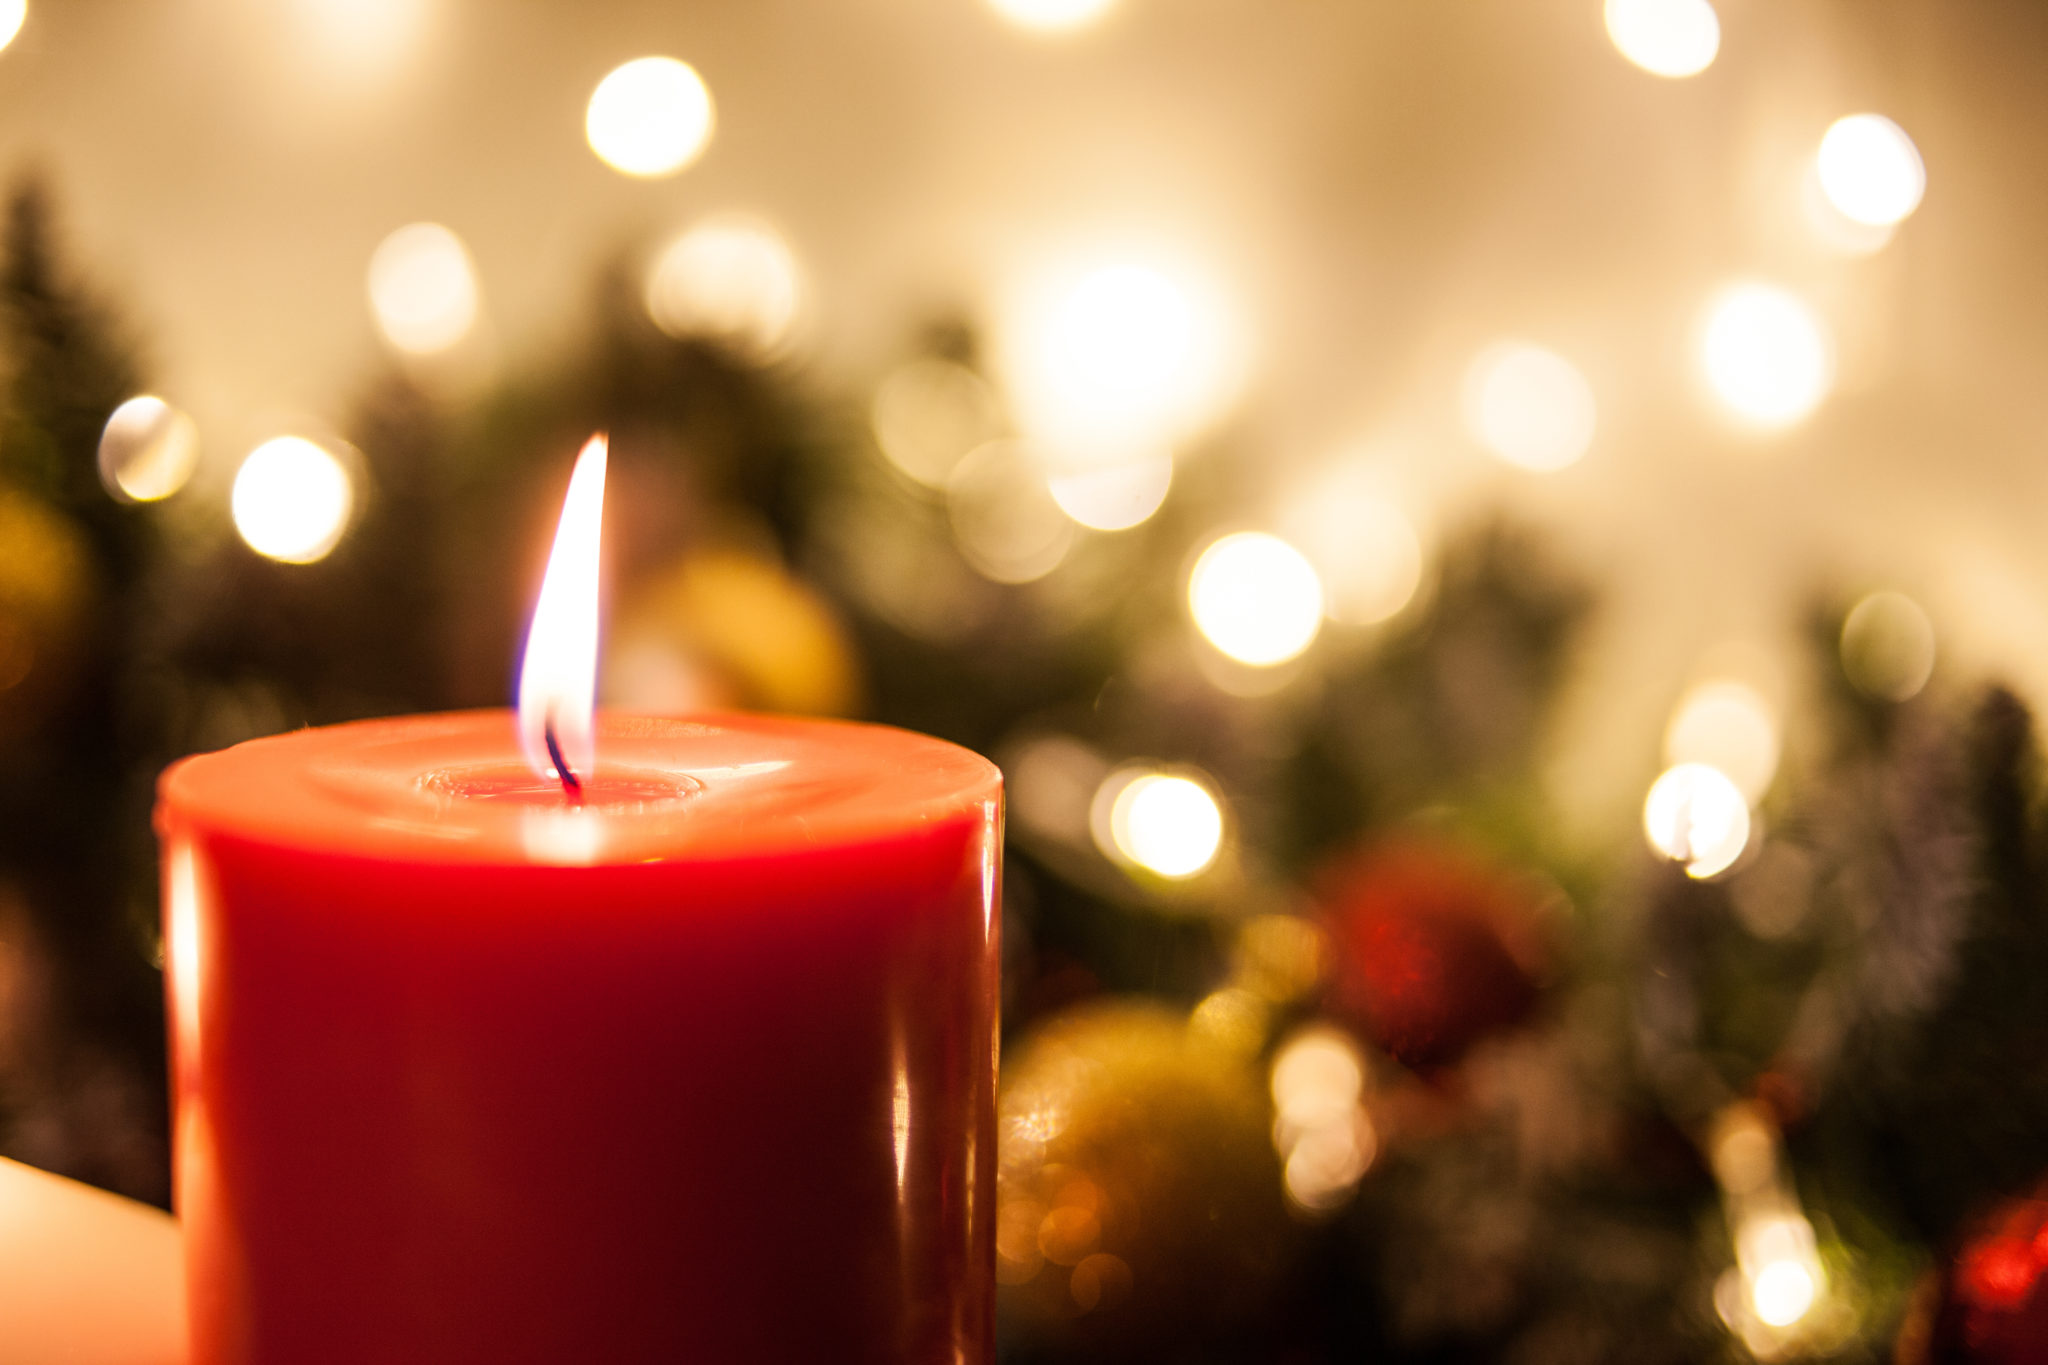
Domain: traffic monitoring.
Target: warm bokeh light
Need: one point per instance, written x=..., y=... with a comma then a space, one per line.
x=148, y=450
x=1165, y=823
x=1529, y=406
x=1695, y=815
x=1325, y=1139
x=1834, y=229
x=1888, y=646
x=650, y=117
x=1766, y=355
x=1782, y=1292
x=732, y=278
x=1111, y=362
x=1665, y=37
x=1113, y=497
x=1730, y=727
x=1871, y=170
x=929, y=413
x=423, y=288
x=1256, y=598
x=1364, y=547
x=1003, y=516
x=292, y=500
x=558, y=671
x=1052, y=16
x=12, y=14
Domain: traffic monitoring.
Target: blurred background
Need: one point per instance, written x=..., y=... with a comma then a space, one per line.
x=1494, y=543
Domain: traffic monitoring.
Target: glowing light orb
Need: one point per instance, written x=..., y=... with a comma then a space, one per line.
x=1765, y=355
x=1782, y=1292
x=650, y=117
x=1729, y=727
x=1004, y=518
x=1114, y=362
x=1362, y=544
x=1529, y=406
x=13, y=13
x=731, y=278
x=1256, y=598
x=1870, y=170
x=1116, y=497
x=1672, y=38
x=148, y=450
x=1317, y=1078
x=423, y=288
x=1888, y=646
x=291, y=500
x=929, y=414
x=1834, y=229
x=1052, y=16
x=1169, y=825
x=1696, y=816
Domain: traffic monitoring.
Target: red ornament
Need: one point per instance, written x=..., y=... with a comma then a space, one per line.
x=1993, y=1305
x=1437, y=947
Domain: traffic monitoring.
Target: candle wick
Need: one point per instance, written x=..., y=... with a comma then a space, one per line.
x=570, y=782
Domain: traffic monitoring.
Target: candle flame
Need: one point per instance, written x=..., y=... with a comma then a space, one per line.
x=558, y=676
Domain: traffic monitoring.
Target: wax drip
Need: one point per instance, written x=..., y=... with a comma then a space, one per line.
x=570, y=782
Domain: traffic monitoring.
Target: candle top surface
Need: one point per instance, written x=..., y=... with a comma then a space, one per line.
x=454, y=788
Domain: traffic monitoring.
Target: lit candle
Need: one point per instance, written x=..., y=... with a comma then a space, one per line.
x=643, y=1040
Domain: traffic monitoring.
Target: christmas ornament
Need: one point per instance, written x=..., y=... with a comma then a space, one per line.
x=1990, y=1306
x=1139, y=1199
x=1436, y=948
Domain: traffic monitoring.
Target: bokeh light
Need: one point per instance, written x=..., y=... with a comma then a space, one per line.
x=1362, y=544
x=1765, y=355
x=1696, y=816
x=1166, y=823
x=1256, y=598
x=1113, y=497
x=1112, y=362
x=1776, y=1252
x=1870, y=170
x=929, y=413
x=1052, y=16
x=732, y=278
x=1834, y=229
x=649, y=117
x=1888, y=646
x=148, y=450
x=423, y=288
x=1003, y=516
x=1321, y=1130
x=13, y=13
x=292, y=500
x=1782, y=1292
x=1671, y=38
x=1529, y=406
x=1730, y=727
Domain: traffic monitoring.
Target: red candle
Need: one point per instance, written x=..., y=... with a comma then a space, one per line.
x=684, y=1053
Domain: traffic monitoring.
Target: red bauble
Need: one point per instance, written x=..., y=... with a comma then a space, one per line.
x=1993, y=1305
x=1437, y=947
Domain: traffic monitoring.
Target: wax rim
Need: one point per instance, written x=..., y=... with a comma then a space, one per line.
x=745, y=786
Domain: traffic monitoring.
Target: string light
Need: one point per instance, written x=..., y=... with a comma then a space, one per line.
x=13, y=13
x=1114, y=498
x=1728, y=726
x=1870, y=170
x=1362, y=544
x=1256, y=598
x=1166, y=823
x=1672, y=38
x=1696, y=816
x=928, y=414
x=732, y=278
x=1529, y=406
x=1888, y=646
x=650, y=117
x=1765, y=355
x=1053, y=16
x=148, y=450
x=1325, y=1139
x=423, y=288
x=291, y=500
